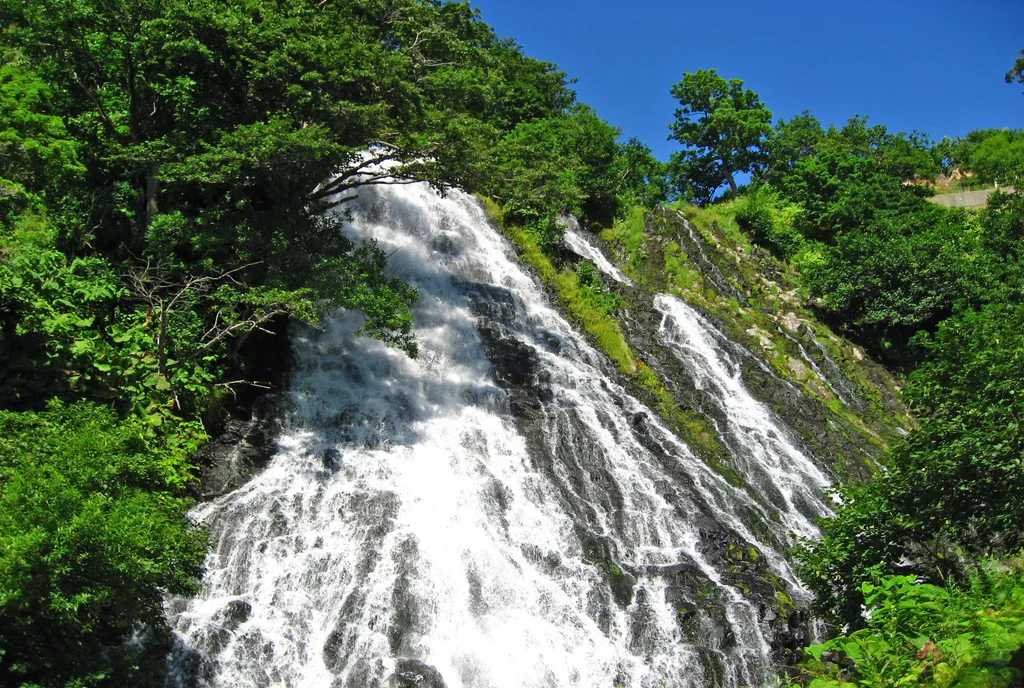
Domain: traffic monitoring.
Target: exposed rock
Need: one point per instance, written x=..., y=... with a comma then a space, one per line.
x=791, y=322
x=798, y=369
x=763, y=339
x=244, y=431
x=241, y=450
x=815, y=384
x=412, y=673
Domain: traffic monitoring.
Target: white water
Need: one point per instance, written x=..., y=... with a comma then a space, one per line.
x=582, y=247
x=770, y=462
x=409, y=513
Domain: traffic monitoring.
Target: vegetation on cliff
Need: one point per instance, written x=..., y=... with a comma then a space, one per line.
x=935, y=293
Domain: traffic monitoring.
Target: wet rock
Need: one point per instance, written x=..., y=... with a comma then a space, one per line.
x=490, y=301
x=337, y=648
x=514, y=362
x=331, y=459
x=412, y=673
x=241, y=450
x=445, y=244
x=791, y=322
x=235, y=613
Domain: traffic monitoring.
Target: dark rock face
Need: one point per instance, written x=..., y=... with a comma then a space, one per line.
x=244, y=432
x=702, y=604
x=515, y=364
x=241, y=449
x=412, y=673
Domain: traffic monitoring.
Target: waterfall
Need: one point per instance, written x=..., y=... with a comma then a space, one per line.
x=767, y=458
x=498, y=512
x=582, y=247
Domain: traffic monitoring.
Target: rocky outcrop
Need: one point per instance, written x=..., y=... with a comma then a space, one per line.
x=244, y=427
x=412, y=673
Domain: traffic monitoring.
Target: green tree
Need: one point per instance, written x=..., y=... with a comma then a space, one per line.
x=1016, y=72
x=722, y=126
x=93, y=534
x=956, y=483
x=35, y=148
x=994, y=155
x=788, y=143
x=642, y=178
x=556, y=165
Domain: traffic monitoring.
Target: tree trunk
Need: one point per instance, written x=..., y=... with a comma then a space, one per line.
x=151, y=190
x=732, y=184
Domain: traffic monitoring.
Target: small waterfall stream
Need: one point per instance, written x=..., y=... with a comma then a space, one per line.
x=499, y=512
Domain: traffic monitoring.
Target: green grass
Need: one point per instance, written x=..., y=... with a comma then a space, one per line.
x=628, y=231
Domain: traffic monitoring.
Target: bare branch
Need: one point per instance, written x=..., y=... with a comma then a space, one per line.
x=231, y=384
x=253, y=323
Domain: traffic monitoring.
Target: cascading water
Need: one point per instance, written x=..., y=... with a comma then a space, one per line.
x=497, y=512
x=582, y=247
x=767, y=458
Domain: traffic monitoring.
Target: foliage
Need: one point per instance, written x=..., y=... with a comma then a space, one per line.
x=788, y=143
x=581, y=291
x=768, y=220
x=554, y=166
x=842, y=204
x=937, y=292
x=35, y=147
x=919, y=634
x=722, y=127
x=898, y=274
x=93, y=534
x=173, y=176
x=1016, y=73
x=640, y=178
x=956, y=483
x=993, y=155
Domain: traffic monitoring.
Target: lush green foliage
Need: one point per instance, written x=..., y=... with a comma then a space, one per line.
x=722, y=126
x=882, y=262
x=92, y=533
x=927, y=635
x=955, y=485
x=993, y=155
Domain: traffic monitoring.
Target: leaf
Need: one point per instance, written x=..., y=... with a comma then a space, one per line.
x=852, y=649
x=81, y=346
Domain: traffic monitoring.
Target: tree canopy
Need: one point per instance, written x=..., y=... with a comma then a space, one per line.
x=722, y=127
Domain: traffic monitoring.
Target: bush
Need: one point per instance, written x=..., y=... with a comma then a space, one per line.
x=763, y=217
x=93, y=532
x=926, y=635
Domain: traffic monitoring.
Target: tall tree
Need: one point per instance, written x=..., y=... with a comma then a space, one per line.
x=1017, y=72
x=722, y=126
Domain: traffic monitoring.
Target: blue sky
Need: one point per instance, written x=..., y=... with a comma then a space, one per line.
x=936, y=66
